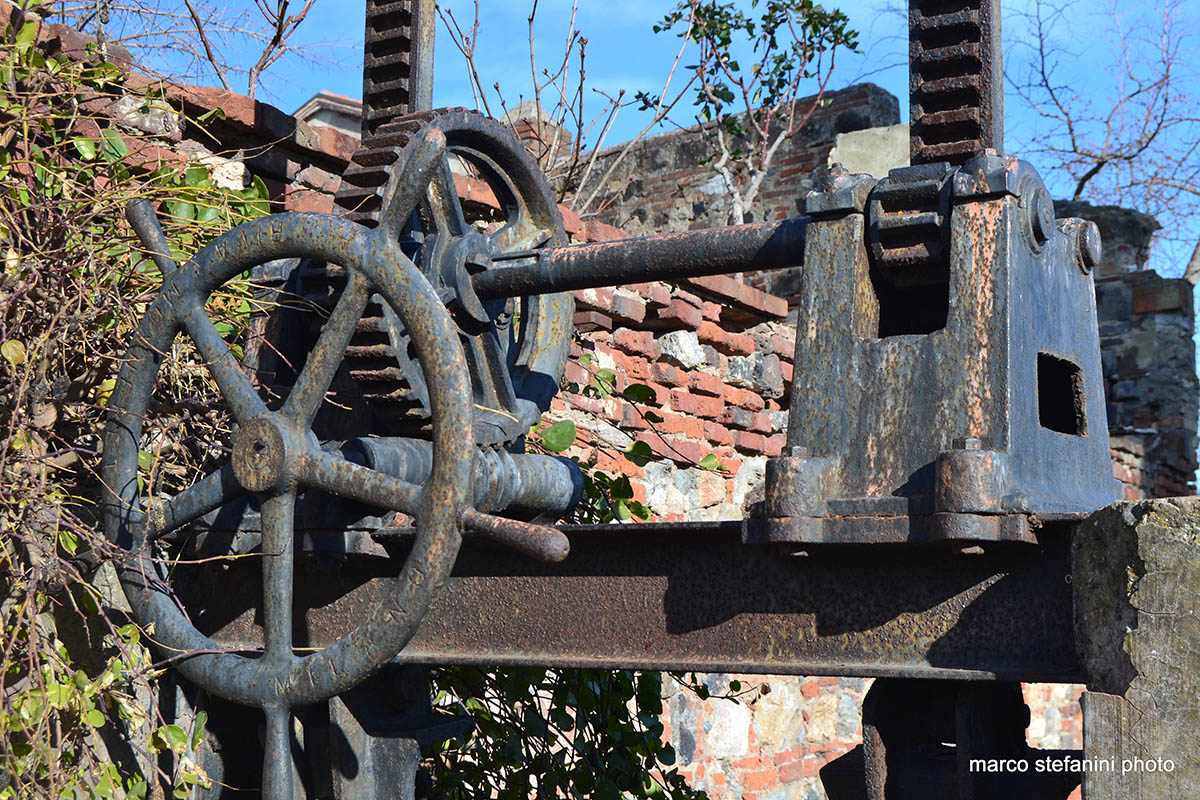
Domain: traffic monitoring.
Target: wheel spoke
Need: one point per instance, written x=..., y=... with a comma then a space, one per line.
x=520, y=237
x=334, y=474
x=322, y=363
x=278, y=516
x=144, y=222
x=235, y=387
x=404, y=194
x=444, y=203
x=209, y=493
x=277, y=760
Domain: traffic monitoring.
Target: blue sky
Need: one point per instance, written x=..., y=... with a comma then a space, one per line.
x=623, y=52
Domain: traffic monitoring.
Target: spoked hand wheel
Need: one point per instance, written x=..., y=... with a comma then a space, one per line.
x=275, y=452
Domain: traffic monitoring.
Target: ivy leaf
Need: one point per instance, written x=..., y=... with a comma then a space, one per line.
x=86, y=148
x=198, y=729
x=196, y=176
x=710, y=461
x=559, y=436
x=27, y=33
x=639, y=453
x=112, y=146
x=68, y=541
x=13, y=351
x=638, y=393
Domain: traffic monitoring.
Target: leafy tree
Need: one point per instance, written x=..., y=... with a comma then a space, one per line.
x=750, y=111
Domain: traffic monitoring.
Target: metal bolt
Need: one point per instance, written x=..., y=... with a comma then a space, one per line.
x=1087, y=238
x=967, y=443
x=1041, y=212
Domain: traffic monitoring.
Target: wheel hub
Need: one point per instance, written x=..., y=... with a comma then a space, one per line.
x=265, y=454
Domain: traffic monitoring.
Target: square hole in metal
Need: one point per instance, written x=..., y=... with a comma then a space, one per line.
x=1060, y=395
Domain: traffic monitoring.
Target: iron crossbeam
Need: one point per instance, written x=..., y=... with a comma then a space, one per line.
x=665, y=257
x=692, y=596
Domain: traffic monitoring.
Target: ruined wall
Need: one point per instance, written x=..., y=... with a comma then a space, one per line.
x=1149, y=358
x=666, y=183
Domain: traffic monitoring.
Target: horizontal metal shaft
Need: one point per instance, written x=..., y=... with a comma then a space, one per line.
x=665, y=257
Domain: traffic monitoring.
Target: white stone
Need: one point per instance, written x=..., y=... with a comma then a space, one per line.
x=778, y=718
x=682, y=348
x=822, y=718
x=873, y=151
x=748, y=478
x=729, y=736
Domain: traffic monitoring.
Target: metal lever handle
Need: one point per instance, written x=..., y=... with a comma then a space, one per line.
x=537, y=541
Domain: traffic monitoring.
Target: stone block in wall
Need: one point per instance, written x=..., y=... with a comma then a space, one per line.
x=1126, y=234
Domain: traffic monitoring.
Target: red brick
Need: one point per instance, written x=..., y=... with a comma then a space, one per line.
x=740, y=295
x=711, y=311
x=753, y=762
x=687, y=297
x=334, y=143
x=594, y=299
x=730, y=466
x=782, y=346
x=787, y=756
x=594, y=231
x=668, y=374
x=762, y=423
x=632, y=417
x=703, y=383
x=731, y=344
x=671, y=422
x=679, y=314
x=693, y=428
x=760, y=780
x=797, y=770
x=656, y=293
x=587, y=321
x=786, y=370
x=297, y=199
x=148, y=156
x=808, y=689
x=629, y=309
x=743, y=398
x=639, y=342
x=717, y=433
x=681, y=452
x=661, y=394
x=686, y=403
x=590, y=405
x=577, y=374
x=774, y=446
x=572, y=224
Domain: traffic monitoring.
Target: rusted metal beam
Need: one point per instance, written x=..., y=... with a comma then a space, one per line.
x=691, y=596
x=666, y=257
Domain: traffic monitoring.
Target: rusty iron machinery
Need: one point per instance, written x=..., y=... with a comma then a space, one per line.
x=947, y=399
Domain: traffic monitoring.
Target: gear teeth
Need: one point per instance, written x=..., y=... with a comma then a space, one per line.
x=955, y=100
x=377, y=359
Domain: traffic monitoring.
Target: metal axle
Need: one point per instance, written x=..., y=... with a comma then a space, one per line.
x=669, y=257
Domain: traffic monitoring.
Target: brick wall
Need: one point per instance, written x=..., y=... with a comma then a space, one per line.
x=1149, y=357
x=665, y=182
